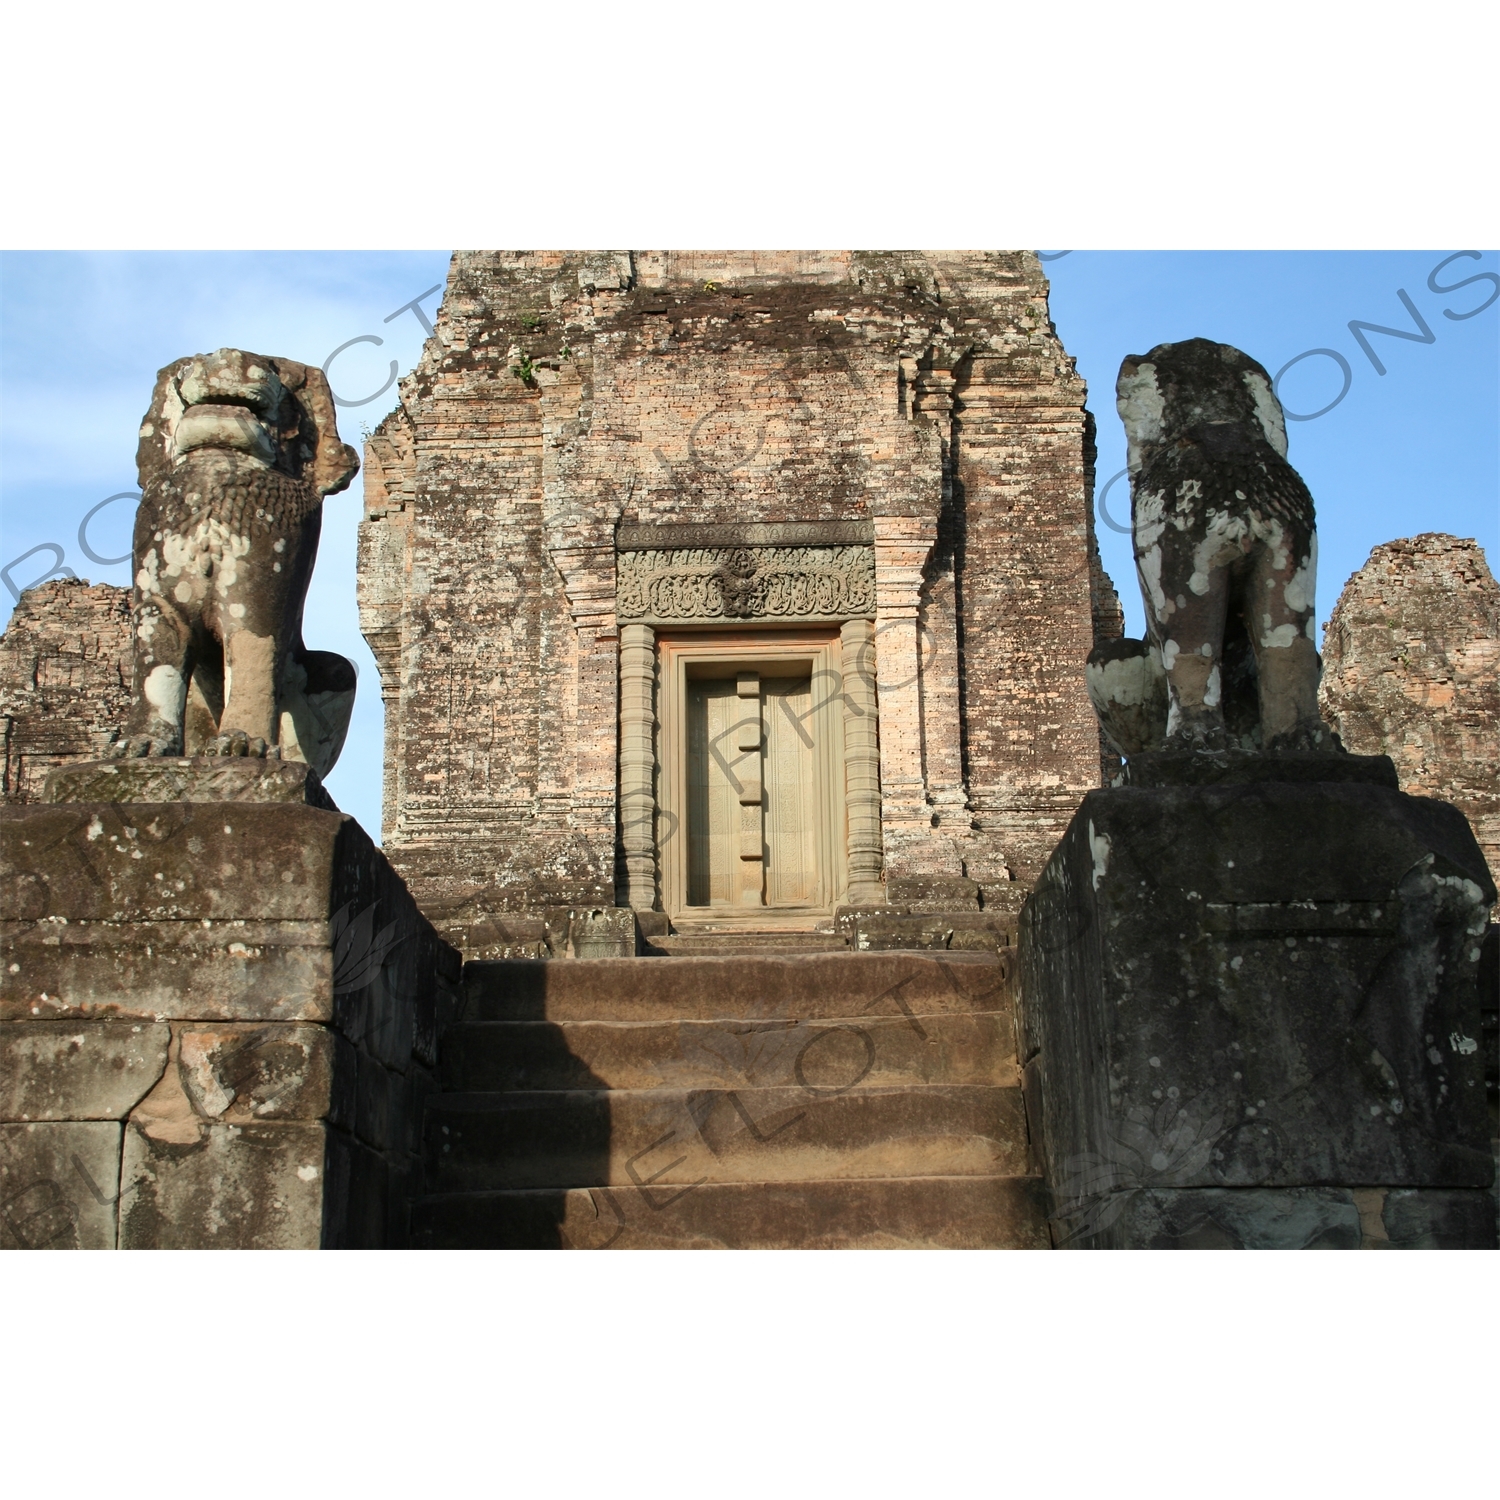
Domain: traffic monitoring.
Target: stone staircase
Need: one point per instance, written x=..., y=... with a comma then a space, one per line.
x=763, y=1099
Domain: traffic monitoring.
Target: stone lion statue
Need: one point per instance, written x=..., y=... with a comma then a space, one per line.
x=236, y=455
x=1226, y=550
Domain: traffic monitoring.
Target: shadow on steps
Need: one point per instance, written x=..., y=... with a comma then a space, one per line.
x=482, y=1087
x=818, y=1100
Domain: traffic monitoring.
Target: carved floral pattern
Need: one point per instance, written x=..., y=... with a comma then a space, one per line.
x=745, y=583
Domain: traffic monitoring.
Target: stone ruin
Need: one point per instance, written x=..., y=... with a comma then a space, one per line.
x=1251, y=1008
x=612, y=477
x=1411, y=669
x=1226, y=548
x=64, y=680
x=236, y=454
x=220, y=1008
x=731, y=612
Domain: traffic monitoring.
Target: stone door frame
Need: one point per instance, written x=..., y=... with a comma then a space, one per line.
x=653, y=677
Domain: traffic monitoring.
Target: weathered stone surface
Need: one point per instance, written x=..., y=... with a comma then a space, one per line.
x=1172, y=768
x=229, y=1187
x=675, y=535
x=941, y=893
x=64, y=679
x=178, y=909
x=1429, y=1219
x=1255, y=986
x=1128, y=688
x=236, y=454
x=476, y=1142
x=1312, y=1218
x=236, y=927
x=206, y=778
x=365, y=1201
x=170, y=862
x=383, y=1106
x=727, y=584
x=1226, y=550
x=608, y=932
x=727, y=943
x=937, y=1213
x=821, y=1100
x=58, y=1185
x=304, y=995
x=230, y=970
x=71, y=1070
x=1305, y=1218
x=682, y=428
x=958, y=932
x=1411, y=669
x=884, y=1051
x=215, y=1156
x=811, y=987
x=883, y=934
x=511, y=936
x=240, y=1074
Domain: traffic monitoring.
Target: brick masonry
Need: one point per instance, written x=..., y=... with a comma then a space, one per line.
x=64, y=679
x=566, y=397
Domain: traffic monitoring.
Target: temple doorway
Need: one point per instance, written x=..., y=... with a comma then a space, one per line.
x=752, y=826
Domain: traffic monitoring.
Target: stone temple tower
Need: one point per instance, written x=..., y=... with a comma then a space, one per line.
x=732, y=588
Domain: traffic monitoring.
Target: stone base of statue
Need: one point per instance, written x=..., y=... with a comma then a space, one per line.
x=219, y=1017
x=181, y=778
x=1250, y=1012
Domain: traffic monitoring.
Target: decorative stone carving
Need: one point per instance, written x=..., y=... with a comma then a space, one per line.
x=861, y=762
x=236, y=455
x=747, y=583
x=1227, y=554
x=638, y=763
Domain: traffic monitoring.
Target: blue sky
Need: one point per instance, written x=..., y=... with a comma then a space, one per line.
x=1416, y=449
x=82, y=335
x=81, y=338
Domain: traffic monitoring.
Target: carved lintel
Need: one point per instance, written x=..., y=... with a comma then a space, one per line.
x=747, y=583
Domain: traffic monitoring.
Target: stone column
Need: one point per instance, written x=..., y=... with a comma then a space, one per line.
x=901, y=547
x=588, y=721
x=638, y=763
x=861, y=762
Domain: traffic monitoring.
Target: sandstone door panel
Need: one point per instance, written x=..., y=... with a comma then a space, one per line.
x=719, y=774
x=796, y=805
x=750, y=820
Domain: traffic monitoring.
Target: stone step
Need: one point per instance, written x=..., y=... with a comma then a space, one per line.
x=950, y=1213
x=745, y=944
x=475, y=1142
x=955, y=932
x=869, y=1051
x=811, y=986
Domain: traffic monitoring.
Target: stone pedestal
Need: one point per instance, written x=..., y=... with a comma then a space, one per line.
x=198, y=778
x=1250, y=1014
x=217, y=1019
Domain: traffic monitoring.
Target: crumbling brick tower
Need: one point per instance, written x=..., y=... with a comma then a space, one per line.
x=634, y=501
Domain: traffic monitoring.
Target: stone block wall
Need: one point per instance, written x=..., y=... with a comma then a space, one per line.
x=567, y=398
x=64, y=679
x=1250, y=1016
x=218, y=1024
